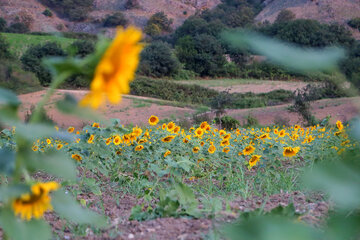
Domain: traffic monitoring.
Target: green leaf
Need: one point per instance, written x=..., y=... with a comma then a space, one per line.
x=23, y=230
x=56, y=163
x=289, y=56
x=34, y=131
x=68, y=208
x=7, y=161
x=8, y=98
x=8, y=192
x=58, y=65
x=69, y=105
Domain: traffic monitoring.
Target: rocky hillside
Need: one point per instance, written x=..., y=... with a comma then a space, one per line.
x=178, y=10
x=326, y=11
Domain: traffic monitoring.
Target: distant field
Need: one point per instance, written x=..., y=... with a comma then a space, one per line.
x=20, y=42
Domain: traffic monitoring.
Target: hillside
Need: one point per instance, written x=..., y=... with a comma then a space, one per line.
x=11, y=9
x=325, y=11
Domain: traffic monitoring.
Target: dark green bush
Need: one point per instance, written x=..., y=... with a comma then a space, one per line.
x=228, y=122
x=251, y=121
x=4, y=48
x=82, y=48
x=285, y=15
x=354, y=23
x=117, y=19
x=157, y=60
x=47, y=13
x=158, y=23
x=202, y=54
x=32, y=60
x=18, y=28
x=131, y=4
x=75, y=10
x=3, y=24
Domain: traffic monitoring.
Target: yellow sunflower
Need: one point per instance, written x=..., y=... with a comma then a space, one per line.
x=290, y=152
x=248, y=150
x=59, y=146
x=91, y=139
x=96, y=125
x=199, y=132
x=71, y=129
x=153, y=120
x=35, y=203
x=77, y=157
x=117, y=140
x=139, y=147
x=211, y=149
x=196, y=149
x=339, y=125
x=168, y=139
x=168, y=152
x=35, y=148
x=226, y=149
x=254, y=159
x=170, y=127
x=116, y=69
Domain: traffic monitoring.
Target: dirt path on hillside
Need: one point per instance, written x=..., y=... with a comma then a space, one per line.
x=136, y=110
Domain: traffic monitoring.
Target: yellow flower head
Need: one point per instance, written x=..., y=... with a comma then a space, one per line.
x=139, y=147
x=226, y=149
x=196, y=149
x=168, y=152
x=35, y=148
x=116, y=69
x=91, y=139
x=290, y=152
x=168, y=139
x=36, y=203
x=248, y=150
x=96, y=125
x=211, y=149
x=204, y=125
x=48, y=141
x=117, y=140
x=339, y=125
x=171, y=126
x=59, y=146
x=199, y=132
x=70, y=129
x=153, y=120
x=77, y=157
x=254, y=159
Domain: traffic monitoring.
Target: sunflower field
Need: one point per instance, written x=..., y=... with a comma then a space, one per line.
x=103, y=180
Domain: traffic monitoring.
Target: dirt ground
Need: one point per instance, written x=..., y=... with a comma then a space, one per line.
x=136, y=110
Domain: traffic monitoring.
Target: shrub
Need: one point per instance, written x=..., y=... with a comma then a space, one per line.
x=3, y=24
x=285, y=15
x=47, y=13
x=157, y=24
x=131, y=4
x=354, y=23
x=251, y=121
x=33, y=56
x=157, y=60
x=117, y=19
x=4, y=48
x=18, y=28
x=82, y=48
x=202, y=54
x=228, y=122
x=75, y=10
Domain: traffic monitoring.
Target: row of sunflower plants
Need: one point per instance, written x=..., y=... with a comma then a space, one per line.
x=34, y=181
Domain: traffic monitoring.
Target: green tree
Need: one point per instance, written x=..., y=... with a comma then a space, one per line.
x=159, y=20
x=202, y=54
x=32, y=60
x=157, y=60
x=285, y=15
x=3, y=24
x=4, y=48
x=117, y=19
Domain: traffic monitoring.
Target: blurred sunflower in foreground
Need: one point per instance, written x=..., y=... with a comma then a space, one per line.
x=116, y=69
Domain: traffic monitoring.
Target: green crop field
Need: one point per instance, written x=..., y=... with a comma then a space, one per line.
x=20, y=42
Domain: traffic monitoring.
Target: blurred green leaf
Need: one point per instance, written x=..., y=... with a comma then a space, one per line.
x=284, y=54
x=68, y=208
x=23, y=230
x=340, y=181
x=12, y=191
x=69, y=105
x=7, y=161
x=56, y=163
x=59, y=65
x=34, y=131
x=8, y=98
x=271, y=228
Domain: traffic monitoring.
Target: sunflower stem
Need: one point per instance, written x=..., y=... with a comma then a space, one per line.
x=59, y=79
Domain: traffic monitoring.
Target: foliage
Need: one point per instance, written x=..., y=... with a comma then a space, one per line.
x=75, y=10
x=117, y=19
x=202, y=54
x=354, y=23
x=47, y=13
x=158, y=60
x=158, y=23
x=285, y=15
x=3, y=24
x=4, y=48
x=228, y=122
x=32, y=60
x=302, y=106
x=18, y=27
x=82, y=48
x=131, y=4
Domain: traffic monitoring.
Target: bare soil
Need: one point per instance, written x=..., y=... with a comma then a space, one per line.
x=136, y=110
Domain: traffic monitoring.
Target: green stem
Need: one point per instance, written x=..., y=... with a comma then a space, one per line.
x=54, y=85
